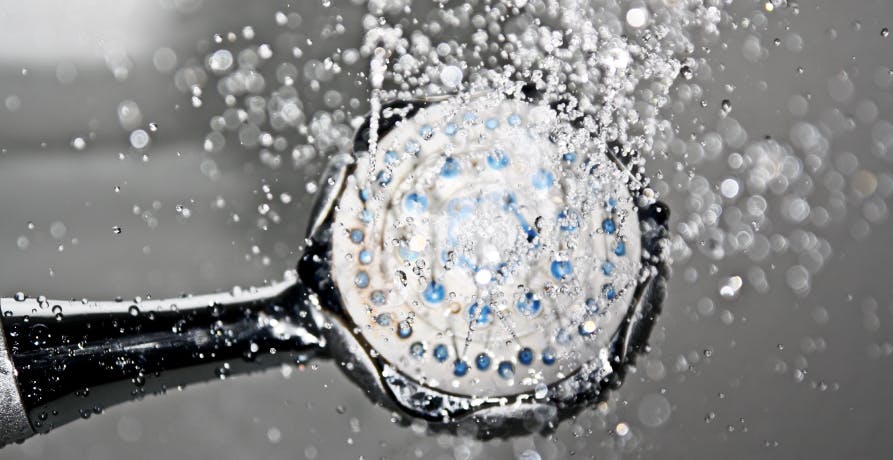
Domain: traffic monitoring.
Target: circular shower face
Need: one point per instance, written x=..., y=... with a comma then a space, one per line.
x=481, y=252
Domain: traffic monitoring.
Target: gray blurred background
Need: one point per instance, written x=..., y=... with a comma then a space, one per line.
x=757, y=375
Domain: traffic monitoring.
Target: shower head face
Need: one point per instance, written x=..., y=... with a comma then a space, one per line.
x=483, y=250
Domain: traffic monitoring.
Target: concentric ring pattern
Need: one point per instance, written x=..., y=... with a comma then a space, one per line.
x=483, y=248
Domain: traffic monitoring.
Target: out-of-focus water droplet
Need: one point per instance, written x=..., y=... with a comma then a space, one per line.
x=223, y=371
x=220, y=61
x=530, y=455
x=654, y=410
x=129, y=115
x=637, y=17
x=841, y=87
x=729, y=188
x=274, y=435
x=78, y=143
x=622, y=429
x=164, y=60
x=798, y=278
x=58, y=230
x=540, y=391
x=451, y=76
x=139, y=139
x=13, y=103
x=730, y=287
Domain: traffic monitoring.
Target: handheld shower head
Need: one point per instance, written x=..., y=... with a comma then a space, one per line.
x=490, y=259
x=485, y=262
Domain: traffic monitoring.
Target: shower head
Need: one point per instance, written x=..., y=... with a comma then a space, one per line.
x=488, y=258
x=476, y=260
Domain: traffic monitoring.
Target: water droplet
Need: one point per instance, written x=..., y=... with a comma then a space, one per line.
x=139, y=139
x=220, y=61
x=540, y=391
x=451, y=76
x=622, y=429
x=730, y=287
x=637, y=17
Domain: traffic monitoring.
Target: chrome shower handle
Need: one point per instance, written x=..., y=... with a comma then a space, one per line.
x=14, y=424
x=64, y=360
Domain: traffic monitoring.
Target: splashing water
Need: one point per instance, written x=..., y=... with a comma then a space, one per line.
x=606, y=82
x=604, y=69
x=632, y=76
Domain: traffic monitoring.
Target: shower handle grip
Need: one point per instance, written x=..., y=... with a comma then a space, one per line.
x=65, y=360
